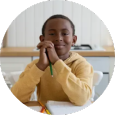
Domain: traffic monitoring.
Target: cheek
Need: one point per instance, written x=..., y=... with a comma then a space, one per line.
x=68, y=41
x=68, y=44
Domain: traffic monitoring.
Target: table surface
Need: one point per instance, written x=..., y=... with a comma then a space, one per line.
x=34, y=103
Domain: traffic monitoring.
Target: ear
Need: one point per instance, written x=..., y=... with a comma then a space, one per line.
x=74, y=40
x=41, y=38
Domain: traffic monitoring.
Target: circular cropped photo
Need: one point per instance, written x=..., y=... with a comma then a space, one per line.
x=57, y=57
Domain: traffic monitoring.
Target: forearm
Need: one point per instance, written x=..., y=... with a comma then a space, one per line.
x=77, y=87
x=77, y=91
x=21, y=92
x=26, y=84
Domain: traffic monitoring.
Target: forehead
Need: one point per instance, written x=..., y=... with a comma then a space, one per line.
x=58, y=23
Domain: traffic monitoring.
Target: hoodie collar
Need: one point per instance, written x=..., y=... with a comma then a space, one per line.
x=72, y=57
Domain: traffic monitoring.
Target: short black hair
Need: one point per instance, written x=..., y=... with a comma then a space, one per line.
x=57, y=16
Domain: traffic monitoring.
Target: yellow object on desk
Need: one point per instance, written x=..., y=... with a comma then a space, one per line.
x=45, y=108
x=48, y=112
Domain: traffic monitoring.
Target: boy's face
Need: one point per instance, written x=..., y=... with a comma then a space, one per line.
x=60, y=33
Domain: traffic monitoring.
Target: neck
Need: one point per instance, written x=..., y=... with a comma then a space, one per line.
x=64, y=57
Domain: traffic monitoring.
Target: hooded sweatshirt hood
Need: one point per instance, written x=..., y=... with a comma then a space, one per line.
x=74, y=56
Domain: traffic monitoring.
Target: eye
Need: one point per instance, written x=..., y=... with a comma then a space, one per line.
x=52, y=34
x=65, y=34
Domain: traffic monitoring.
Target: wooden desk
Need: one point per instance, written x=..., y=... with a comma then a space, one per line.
x=32, y=103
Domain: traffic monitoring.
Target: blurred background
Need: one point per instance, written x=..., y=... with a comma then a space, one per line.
x=24, y=31
x=94, y=40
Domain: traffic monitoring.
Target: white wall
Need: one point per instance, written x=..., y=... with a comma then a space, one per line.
x=25, y=30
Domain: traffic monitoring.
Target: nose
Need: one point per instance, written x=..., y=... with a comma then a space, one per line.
x=59, y=38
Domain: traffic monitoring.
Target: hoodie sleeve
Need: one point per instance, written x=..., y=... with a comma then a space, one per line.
x=27, y=82
x=76, y=82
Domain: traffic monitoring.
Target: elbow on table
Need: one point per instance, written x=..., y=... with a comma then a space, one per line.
x=23, y=100
x=83, y=98
x=80, y=103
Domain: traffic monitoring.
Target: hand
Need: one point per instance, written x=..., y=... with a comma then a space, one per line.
x=53, y=57
x=43, y=60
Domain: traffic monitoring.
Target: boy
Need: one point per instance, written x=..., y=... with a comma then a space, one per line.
x=72, y=74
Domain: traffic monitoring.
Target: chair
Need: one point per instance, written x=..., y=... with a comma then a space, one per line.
x=98, y=75
x=4, y=74
x=13, y=78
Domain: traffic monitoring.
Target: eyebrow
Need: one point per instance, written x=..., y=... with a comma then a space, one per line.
x=54, y=29
x=51, y=29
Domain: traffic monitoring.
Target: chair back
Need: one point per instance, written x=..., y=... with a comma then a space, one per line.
x=98, y=75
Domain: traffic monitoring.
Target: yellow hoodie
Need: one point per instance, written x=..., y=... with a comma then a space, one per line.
x=72, y=81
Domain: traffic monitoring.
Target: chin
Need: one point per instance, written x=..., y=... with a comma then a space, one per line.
x=61, y=52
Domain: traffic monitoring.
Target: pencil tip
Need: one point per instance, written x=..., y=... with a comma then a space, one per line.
x=52, y=75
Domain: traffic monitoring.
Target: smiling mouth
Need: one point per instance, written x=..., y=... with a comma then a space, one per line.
x=59, y=46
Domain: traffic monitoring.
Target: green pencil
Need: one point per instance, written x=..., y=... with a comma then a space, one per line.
x=51, y=70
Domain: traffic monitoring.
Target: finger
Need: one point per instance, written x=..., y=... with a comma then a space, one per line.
x=50, y=42
x=46, y=44
x=40, y=44
x=44, y=47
